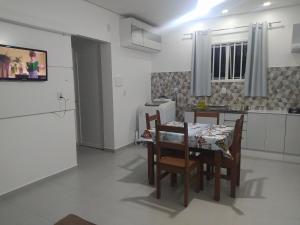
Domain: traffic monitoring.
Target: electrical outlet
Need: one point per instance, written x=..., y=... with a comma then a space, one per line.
x=59, y=95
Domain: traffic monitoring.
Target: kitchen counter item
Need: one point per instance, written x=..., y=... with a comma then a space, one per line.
x=294, y=110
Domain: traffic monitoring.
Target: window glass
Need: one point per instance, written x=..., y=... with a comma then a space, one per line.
x=237, y=62
x=216, y=63
x=244, y=60
x=223, y=63
x=229, y=61
x=230, y=66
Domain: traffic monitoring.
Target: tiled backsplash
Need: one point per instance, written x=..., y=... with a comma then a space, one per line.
x=283, y=90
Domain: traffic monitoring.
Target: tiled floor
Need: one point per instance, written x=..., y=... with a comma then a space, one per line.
x=111, y=189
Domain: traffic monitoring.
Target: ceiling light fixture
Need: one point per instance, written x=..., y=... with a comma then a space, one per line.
x=224, y=11
x=202, y=9
x=204, y=6
x=267, y=4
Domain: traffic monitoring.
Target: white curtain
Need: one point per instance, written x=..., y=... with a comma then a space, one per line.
x=201, y=64
x=256, y=65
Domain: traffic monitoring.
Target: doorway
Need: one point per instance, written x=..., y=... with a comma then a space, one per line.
x=88, y=92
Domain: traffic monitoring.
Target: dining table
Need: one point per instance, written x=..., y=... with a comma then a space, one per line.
x=201, y=137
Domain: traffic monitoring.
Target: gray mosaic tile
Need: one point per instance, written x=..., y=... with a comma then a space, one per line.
x=283, y=90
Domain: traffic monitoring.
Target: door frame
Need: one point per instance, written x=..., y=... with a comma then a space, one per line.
x=80, y=141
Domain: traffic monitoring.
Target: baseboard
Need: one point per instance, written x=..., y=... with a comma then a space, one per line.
x=109, y=149
x=124, y=147
x=270, y=156
x=89, y=145
x=38, y=181
x=291, y=158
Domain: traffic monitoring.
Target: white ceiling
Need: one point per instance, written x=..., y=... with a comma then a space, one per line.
x=158, y=12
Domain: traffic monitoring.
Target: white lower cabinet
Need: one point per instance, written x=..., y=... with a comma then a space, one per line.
x=256, y=131
x=292, y=137
x=275, y=133
x=266, y=132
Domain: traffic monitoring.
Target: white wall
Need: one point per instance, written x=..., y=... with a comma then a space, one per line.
x=81, y=18
x=36, y=146
x=22, y=158
x=176, y=53
x=134, y=68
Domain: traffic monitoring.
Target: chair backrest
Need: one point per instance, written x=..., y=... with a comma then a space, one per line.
x=241, y=129
x=236, y=142
x=152, y=118
x=183, y=147
x=206, y=114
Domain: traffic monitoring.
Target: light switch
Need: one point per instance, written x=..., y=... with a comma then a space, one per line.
x=119, y=81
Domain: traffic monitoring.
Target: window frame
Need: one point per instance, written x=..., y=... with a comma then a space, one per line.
x=227, y=62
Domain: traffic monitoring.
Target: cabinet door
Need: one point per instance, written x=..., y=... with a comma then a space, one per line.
x=292, y=138
x=275, y=132
x=256, y=131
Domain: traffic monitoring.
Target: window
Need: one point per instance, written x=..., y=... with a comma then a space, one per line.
x=228, y=61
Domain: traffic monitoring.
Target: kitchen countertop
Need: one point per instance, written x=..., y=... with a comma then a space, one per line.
x=218, y=110
x=263, y=111
x=280, y=112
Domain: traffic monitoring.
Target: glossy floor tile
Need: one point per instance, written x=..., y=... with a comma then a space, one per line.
x=112, y=189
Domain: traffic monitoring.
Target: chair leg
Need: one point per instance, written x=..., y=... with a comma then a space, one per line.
x=217, y=183
x=158, y=182
x=173, y=177
x=200, y=174
x=208, y=172
x=151, y=176
x=186, y=188
x=212, y=169
x=238, y=179
x=233, y=180
x=228, y=172
x=217, y=162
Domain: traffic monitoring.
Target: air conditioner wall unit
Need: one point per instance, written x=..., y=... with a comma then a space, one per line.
x=138, y=35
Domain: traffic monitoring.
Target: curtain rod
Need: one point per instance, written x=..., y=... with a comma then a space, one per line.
x=231, y=28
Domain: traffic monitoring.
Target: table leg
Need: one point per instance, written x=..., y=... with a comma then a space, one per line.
x=217, y=163
x=150, y=163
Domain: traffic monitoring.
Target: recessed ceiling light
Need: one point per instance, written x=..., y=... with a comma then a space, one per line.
x=267, y=3
x=224, y=11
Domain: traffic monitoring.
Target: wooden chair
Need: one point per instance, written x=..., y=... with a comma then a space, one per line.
x=216, y=115
x=239, y=154
x=239, y=150
x=151, y=147
x=225, y=162
x=173, y=164
x=206, y=114
x=151, y=118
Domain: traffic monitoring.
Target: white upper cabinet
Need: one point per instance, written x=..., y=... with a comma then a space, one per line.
x=137, y=35
x=292, y=138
